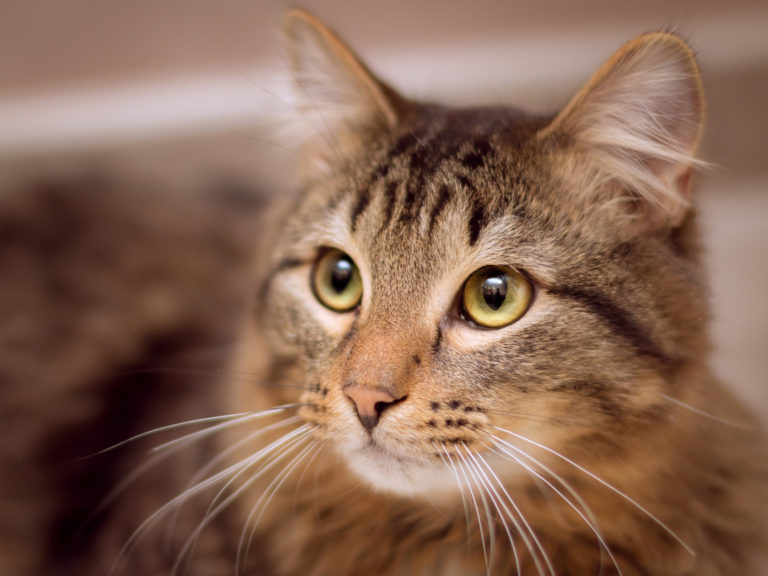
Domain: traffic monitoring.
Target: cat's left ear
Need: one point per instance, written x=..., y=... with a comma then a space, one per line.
x=630, y=134
x=340, y=97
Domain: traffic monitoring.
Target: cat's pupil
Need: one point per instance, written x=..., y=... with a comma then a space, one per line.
x=341, y=275
x=495, y=291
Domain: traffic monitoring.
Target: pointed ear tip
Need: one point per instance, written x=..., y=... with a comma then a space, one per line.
x=663, y=37
x=296, y=15
x=298, y=19
x=673, y=48
x=670, y=41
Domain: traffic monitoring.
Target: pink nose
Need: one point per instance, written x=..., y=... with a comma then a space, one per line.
x=370, y=403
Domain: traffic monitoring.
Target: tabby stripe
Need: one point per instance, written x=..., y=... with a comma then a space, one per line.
x=381, y=172
x=479, y=217
x=476, y=224
x=409, y=210
x=598, y=391
x=620, y=321
x=438, y=341
x=476, y=157
x=440, y=204
x=363, y=199
x=390, y=197
x=402, y=147
x=286, y=264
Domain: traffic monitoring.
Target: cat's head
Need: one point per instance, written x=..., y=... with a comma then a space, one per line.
x=451, y=277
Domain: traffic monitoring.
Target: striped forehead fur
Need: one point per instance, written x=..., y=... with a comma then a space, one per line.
x=448, y=159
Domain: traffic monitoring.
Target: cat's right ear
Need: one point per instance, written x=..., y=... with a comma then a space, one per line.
x=340, y=99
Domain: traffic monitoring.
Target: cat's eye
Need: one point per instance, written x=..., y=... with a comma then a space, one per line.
x=336, y=281
x=495, y=296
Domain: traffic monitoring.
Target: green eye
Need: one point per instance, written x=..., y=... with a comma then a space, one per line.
x=496, y=296
x=336, y=281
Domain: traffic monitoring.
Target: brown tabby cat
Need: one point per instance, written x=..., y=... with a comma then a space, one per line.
x=478, y=347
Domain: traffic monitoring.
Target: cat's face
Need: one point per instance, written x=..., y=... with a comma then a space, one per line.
x=454, y=277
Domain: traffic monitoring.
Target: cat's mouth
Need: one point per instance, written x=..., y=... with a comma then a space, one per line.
x=385, y=467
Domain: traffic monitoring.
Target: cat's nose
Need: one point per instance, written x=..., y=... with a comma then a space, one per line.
x=370, y=403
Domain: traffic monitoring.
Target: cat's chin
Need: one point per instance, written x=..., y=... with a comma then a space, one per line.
x=405, y=475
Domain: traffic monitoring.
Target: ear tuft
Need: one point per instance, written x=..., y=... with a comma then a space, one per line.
x=632, y=131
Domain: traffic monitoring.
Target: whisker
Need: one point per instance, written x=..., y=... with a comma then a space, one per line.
x=448, y=461
x=502, y=448
x=301, y=478
x=263, y=502
x=253, y=435
x=526, y=524
x=168, y=450
x=218, y=427
x=286, y=444
x=224, y=454
x=544, y=418
x=615, y=490
x=705, y=414
x=165, y=429
x=587, y=515
x=184, y=497
x=498, y=504
x=466, y=471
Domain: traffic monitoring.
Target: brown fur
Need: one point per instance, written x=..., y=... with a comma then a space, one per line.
x=631, y=456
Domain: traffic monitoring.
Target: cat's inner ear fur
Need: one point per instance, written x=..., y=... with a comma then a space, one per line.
x=630, y=134
x=338, y=96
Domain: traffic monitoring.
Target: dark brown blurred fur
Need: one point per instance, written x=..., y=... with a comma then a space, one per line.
x=588, y=436
x=105, y=282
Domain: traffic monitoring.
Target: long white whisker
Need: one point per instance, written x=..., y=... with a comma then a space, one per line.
x=166, y=428
x=466, y=471
x=178, y=444
x=180, y=499
x=285, y=443
x=502, y=447
x=224, y=454
x=301, y=478
x=526, y=524
x=448, y=461
x=263, y=502
x=705, y=414
x=615, y=490
x=587, y=515
x=499, y=505
x=249, y=417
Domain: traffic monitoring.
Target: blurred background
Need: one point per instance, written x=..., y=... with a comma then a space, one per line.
x=195, y=89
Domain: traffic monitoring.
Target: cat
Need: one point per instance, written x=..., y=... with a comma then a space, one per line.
x=476, y=343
